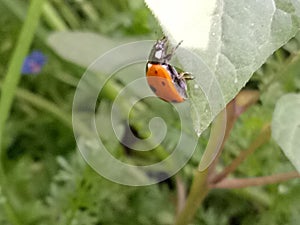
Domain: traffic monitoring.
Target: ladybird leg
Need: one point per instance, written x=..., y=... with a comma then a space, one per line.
x=164, y=39
x=186, y=76
x=173, y=72
x=170, y=55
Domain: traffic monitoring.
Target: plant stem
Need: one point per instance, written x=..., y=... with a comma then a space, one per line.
x=53, y=19
x=197, y=194
x=263, y=137
x=19, y=9
x=291, y=68
x=67, y=12
x=9, y=87
x=13, y=74
x=46, y=105
x=90, y=11
x=16, y=8
x=199, y=188
x=255, y=195
x=256, y=181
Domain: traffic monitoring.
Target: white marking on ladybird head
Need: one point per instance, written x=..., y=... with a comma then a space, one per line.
x=158, y=54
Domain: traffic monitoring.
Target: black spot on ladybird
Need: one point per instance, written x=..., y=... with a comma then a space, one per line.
x=153, y=88
x=155, y=71
x=163, y=83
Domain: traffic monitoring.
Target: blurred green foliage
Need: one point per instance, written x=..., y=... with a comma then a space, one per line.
x=50, y=182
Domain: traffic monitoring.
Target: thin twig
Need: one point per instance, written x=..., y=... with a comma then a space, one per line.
x=255, y=181
x=181, y=194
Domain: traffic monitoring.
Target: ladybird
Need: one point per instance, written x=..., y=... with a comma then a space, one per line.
x=163, y=78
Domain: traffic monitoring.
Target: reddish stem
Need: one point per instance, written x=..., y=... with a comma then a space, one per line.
x=263, y=137
x=255, y=181
x=181, y=194
x=234, y=109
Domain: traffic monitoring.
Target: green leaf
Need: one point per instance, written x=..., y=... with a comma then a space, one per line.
x=81, y=48
x=232, y=40
x=286, y=127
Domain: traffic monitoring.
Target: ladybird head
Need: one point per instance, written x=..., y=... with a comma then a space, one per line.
x=159, y=51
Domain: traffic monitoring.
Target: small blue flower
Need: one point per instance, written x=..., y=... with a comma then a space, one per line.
x=34, y=63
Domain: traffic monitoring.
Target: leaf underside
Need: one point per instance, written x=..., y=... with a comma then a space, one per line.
x=286, y=127
x=241, y=36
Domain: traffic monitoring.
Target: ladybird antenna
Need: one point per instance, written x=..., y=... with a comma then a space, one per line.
x=180, y=42
x=169, y=56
